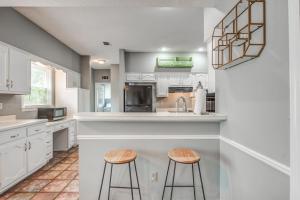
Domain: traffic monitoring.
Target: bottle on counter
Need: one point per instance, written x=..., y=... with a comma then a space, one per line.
x=200, y=99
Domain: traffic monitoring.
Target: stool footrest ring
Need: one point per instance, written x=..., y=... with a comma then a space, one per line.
x=121, y=187
x=179, y=186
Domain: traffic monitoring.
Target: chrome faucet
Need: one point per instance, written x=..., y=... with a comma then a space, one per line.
x=181, y=104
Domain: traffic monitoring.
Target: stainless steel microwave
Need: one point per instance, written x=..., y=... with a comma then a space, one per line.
x=52, y=114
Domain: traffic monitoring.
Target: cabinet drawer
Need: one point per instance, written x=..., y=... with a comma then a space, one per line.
x=73, y=124
x=36, y=129
x=49, y=148
x=61, y=126
x=11, y=135
x=49, y=143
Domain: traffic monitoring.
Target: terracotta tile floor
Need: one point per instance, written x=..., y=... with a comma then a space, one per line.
x=58, y=180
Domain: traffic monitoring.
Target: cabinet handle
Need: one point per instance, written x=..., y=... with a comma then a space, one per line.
x=25, y=147
x=7, y=83
x=37, y=130
x=29, y=146
x=11, y=83
x=14, y=136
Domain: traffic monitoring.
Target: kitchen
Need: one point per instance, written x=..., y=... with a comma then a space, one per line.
x=82, y=107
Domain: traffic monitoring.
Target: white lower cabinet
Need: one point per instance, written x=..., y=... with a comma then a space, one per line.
x=36, y=151
x=22, y=152
x=13, y=162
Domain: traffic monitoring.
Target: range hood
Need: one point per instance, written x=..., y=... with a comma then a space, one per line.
x=180, y=89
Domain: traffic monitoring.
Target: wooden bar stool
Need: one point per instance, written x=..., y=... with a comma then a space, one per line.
x=117, y=157
x=183, y=156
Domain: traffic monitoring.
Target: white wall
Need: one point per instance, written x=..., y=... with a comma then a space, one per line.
x=211, y=17
x=294, y=32
x=255, y=96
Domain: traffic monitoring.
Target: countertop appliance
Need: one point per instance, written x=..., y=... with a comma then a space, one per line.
x=138, y=98
x=52, y=113
x=210, y=102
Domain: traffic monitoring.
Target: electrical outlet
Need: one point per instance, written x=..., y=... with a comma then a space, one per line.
x=1, y=106
x=154, y=177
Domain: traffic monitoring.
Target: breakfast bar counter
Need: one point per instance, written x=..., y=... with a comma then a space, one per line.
x=151, y=135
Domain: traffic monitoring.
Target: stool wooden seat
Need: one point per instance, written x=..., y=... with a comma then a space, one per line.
x=120, y=156
x=184, y=155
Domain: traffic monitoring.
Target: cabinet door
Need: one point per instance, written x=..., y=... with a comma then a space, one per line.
x=133, y=77
x=19, y=72
x=3, y=67
x=36, y=151
x=162, y=87
x=12, y=162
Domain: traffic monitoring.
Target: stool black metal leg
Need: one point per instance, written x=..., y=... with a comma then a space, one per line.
x=166, y=180
x=201, y=181
x=130, y=181
x=102, y=181
x=194, y=181
x=173, y=180
x=137, y=179
x=111, y=168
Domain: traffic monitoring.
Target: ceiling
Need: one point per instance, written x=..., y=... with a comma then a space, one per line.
x=115, y=3
x=141, y=29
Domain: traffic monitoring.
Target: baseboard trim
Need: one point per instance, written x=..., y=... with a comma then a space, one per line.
x=148, y=137
x=267, y=160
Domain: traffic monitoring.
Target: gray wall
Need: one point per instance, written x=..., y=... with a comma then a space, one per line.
x=99, y=73
x=115, y=92
x=20, y=32
x=12, y=105
x=255, y=96
x=24, y=34
x=146, y=62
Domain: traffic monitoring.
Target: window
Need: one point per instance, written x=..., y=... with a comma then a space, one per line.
x=41, y=86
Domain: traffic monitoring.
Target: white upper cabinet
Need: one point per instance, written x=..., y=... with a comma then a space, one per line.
x=3, y=67
x=36, y=151
x=15, y=71
x=12, y=162
x=19, y=72
x=133, y=77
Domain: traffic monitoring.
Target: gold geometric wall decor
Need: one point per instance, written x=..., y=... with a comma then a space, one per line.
x=241, y=35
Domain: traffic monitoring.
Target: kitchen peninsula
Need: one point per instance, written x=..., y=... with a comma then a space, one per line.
x=151, y=135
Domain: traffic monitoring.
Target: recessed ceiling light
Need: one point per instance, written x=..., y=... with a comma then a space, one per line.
x=164, y=49
x=106, y=43
x=201, y=49
x=100, y=61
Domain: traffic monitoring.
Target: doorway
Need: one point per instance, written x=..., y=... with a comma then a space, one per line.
x=102, y=97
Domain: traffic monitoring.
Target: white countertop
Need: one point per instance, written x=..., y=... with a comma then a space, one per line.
x=67, y=119
x=149, y=117
x=18, y=123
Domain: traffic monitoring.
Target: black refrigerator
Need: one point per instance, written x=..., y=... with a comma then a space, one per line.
x=138, y=98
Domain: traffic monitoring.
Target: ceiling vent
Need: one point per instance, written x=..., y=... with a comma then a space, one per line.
x=106, y=43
